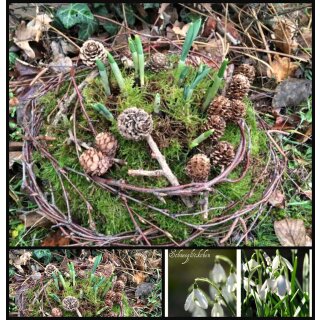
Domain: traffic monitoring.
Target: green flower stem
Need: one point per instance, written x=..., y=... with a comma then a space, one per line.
x=135, y=58
x=103, y=110
x=104, y=76
x=139, y=47
x=62, y=280
x=219, y=292
x=215, y=85
x=225, y=259
x=194, y=143
x=116, y=71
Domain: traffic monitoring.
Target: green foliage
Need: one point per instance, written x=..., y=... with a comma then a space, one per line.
x=43, y=255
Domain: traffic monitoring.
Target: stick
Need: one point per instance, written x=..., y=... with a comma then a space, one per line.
x=166, y=169
x=145, y=173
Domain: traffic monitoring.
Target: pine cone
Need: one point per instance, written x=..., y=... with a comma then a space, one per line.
x=216, y=123
x=247, y=70
x=110, y=295
x=107, y=269
x=70, y=303
x=90, y=51
x=107, y=144
x=140, y=260
x=239, y=87
x=135, y=124
x=238, y=110
x=94, y=162
x=118, y=286
x=222, y=154
x=56, y=312
x=118, y=297
x=108, y=303
x=123, y=278
x=219, y=106
x=198, y=167
x=50, y=269
x=158, y=61
x=81, y=274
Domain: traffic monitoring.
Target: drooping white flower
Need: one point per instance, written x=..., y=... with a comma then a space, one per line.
x=287, y=263
x=218, y=274
x=275, y=263
x=271, y=284
x=267, y=258
x=228, y=295
x=217, y=311
x=189, y=305
x=263, y=290
x=200, y=299
x=283, y=286
x=199, y=312
x=231, y=282
x=248, y=285
x=213, y=292
x=249, y=265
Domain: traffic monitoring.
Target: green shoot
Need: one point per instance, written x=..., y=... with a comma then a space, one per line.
x=135, y=58
x=190, y=37
x=62, y=280
x=56, y=281
x=139, y=47
x=103, y=110
x=116, y=71
x=156, y=104
x=215, y=85
x=104, y=76
x=54, y=297
x=194, y=143
x=72, y=273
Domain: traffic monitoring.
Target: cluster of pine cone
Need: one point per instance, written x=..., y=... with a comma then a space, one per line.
x=222, y=109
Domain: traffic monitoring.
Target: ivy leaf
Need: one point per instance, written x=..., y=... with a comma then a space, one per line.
x=75, y=13
x=111, y=28
x=44, y=254
x=86, y=30
x=150, y=5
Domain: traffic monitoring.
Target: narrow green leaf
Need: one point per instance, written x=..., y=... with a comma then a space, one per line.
x=293, y=274
x=103, y=110
x=194, y=143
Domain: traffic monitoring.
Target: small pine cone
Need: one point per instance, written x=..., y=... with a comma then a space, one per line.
x=123, y=278
x=56, y=312
x=222, y=154
x=107, y=269
x=198, y=168
x=118, y=297
x=118, y=286
x=50, y=269
x=219, y=106
x=247, y=70
x=95, y=162
x=140, y=260
x=81, y=274
x=90, y=51
x=216, y=123
x=238, y=109
x=108, y=303
x=135, y=124
x=110, y=295
x=111, y=314
x=107, y=144
x=158, y=61
x=239, y=87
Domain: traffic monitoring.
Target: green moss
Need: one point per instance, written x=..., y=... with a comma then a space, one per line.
x=108, y=210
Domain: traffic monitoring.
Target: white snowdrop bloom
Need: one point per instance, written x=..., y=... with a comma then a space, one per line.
x=217, y=311
x=246, y=284
x=283, y=286
x=232, y=282
x=218, y=274
x=275, y=263
x=200, y=299
x=228, y=295
x=271, y=284
x=267, y=258
x=287, y=263
x=250, y=265
x=199, y=312
x=263, y=290
x=189, y=305
x=213, y=292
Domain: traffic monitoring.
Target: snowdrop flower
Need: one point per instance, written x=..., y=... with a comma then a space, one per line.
x=271, y=284
x=250, y=265
x=263, y=290
x=218, y=274
x=228, y=295
x=231, y=282
x=200, y=299
x=246, y=284
x=213, y=291
x=267, y=258
x=275, y=263
x=189, y=305
x=283, y=286
x=287, y=263
x=199, y=312
x=217, y=311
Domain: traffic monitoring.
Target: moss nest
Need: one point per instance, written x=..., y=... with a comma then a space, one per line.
x=175, y=127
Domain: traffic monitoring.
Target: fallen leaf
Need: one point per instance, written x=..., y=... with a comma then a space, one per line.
x=286, y=123
x=308, y=193
x=209, y=26
x=55, y=239
x=181, y=31
x=14, y=156
x=284, y=31
x=277, y=199
x=25, y=69
x=13, y=101
x=282, y=68
x=291, y=93
x=19, y=259
x=31, y=32
x=61, y=64
x=155, y=263
x=139, y=277
x=33, y=218
x=163, y=7
x=292, y=232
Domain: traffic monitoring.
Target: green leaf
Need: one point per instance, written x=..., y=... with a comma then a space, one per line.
x=293, y=275
x=75, y=13
x=86, y=30
x=150, y=5
x=12, y=58
x=43, y=254
x=201, y=138
x=111, y=28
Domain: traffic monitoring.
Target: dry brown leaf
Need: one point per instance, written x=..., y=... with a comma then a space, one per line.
x=282, y=68
x=61, y=64
x=181, y=31
x=163, y=7
x=55, y=239
x=292, y=232
x=139, y=277
x=155, y=263
x=209, y=26
x=284, y=31
x=308, y=193
x=14, y=156
x=34, y=219
x=277, y=199
x=13, y=101
x=20, y=260
x=31, y=32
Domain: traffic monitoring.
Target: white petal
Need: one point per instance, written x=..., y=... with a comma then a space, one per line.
x=217, y=311
x=262, y=292
x=232, y=282
x=200, y=299
x=189, y=301
x=281, y=286
x=198, y=312
x=218, y=274
x=267, y=258
x=228, y=295
x=288, y=264
x=275, y=263
x=245, y=284
x=272, y=284
x=213, y=291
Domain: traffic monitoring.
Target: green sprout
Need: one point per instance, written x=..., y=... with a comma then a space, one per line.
x=62, y=280
x=135, y=58
x=194, y=143
x=72, y=273
x=138, y=45
x=116, y=71
x=104, y=76
x=157, y=103
x=103, y=110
